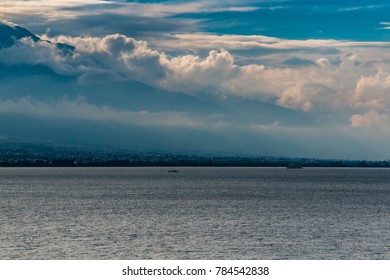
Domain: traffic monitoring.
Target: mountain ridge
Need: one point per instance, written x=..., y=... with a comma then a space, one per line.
x=145, y=117
x=10, y=32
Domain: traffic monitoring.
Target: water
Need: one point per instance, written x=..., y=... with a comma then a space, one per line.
x=198, y=213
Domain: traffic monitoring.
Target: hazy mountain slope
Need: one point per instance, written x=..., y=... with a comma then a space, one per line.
x=9, y=33
x=38, y=103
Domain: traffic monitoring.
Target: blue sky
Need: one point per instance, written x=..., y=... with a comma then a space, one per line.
x=345, y=20
x=312, y=72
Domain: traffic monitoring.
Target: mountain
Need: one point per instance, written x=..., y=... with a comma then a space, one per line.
x=10, y=32
x=39, y=104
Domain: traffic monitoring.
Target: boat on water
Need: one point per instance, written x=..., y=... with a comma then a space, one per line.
x=173, y=171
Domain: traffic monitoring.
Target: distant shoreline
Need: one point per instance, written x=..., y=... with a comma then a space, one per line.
x=200, y=162
x=16, y=155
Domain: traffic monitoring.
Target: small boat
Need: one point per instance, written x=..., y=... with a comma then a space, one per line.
x=173, y=171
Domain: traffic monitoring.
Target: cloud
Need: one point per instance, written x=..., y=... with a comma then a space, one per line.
x=53, y=10
x=357, y=8
x=353, y=81
x=132, y=18
x=371, y=91
x=117, y=56
x=130, y=25
x=386, y=25
x=79, y=109
x=369, y=120
x=43, y=8
x=207, y=74
x=195, y=41
x=27, y=51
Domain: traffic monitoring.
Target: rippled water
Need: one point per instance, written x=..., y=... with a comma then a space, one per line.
x=197, y=213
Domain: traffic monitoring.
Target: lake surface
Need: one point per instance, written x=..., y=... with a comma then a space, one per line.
x=197, y=213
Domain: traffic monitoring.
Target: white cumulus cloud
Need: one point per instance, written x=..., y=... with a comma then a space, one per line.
x=351, y=82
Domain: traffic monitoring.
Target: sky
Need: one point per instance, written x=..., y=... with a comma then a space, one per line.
x=284, y=78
